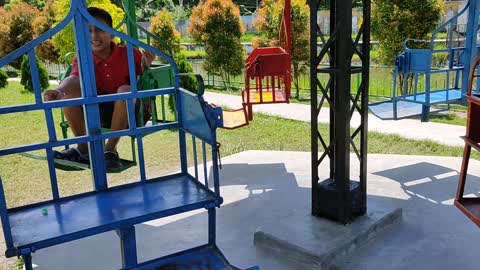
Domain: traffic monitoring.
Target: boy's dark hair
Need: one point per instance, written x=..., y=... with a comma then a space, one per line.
x=101, y=14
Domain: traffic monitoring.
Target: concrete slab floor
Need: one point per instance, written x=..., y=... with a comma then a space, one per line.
x=267, y=187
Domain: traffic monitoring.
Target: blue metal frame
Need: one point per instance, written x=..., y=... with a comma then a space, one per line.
x=117, y=208
x=415, y=63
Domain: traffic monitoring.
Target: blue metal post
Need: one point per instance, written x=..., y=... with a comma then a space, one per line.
x=211, y=225
x=7, y=232
x=27, y=260
x=470, y=41
x=128, y=246
x=426, y=104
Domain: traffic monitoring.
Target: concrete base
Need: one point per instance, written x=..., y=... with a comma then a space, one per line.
x=317, y=243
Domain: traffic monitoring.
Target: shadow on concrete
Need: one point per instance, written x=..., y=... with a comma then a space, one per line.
x=264, y=194
x=432, y=229
x=431, y=182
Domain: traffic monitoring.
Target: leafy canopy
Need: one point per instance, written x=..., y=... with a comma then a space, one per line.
x=216, y=24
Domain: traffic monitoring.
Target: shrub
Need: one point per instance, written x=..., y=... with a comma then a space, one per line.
x=186, y=82
x=26, y=76
x=3, y=79
x=64, y=41
x=216, y=24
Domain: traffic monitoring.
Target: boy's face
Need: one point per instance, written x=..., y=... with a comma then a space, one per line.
x=100, y=39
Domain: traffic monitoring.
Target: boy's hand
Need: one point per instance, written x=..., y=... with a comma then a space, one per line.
x=147, y=58
x=50, y=95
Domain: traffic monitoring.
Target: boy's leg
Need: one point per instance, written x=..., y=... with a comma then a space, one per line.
x=76, y=120
x=119, y=119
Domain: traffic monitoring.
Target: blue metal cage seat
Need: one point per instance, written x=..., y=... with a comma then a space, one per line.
x=433, y=73
x=61, y=219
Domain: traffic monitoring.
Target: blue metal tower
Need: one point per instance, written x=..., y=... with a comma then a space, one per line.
x=414, y=90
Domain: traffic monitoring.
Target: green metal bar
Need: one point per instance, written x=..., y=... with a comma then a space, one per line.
x=134, y=154
x=162, y=100
x=131, y=20
x=154, y=110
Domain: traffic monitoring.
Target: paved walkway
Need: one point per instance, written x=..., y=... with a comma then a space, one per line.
x=408, y=128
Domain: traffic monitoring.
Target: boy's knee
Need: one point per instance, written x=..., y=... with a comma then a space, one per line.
x=123, y=89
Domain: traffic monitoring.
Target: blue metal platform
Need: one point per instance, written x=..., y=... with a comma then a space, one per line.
x=71, y=218
x=384, y=110
x=438, y=96
x=412, y=105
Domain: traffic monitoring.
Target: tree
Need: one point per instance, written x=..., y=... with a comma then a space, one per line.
x=395, y=21
x=268, y=23
x=16, y=28
x=216, y=24
x=64, y=41
x=42, y=23
x=163, y=27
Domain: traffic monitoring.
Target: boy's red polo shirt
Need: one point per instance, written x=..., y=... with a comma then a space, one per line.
x=111, y=73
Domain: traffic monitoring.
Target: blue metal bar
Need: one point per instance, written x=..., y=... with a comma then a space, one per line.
x=216, y=181
x=89, y=89
x=32, y=59
x=204, y=154
x=128, y=246
x=195, y=162
x=133, y=86
x=141, y=158
x=7, y=232
x=50, y=157
x=84, y=139
x=183, y=151
x=131, y=68
x=53, y=175
x=415, y=85
x=86, y=100
x=132, y=123
x=470, y=40
x=427, y=88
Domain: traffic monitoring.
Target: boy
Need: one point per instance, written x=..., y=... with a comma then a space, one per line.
x=111, y=74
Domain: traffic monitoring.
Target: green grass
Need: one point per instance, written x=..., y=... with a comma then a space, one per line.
x=451, y=119
x=26, y=180
x=194, y=54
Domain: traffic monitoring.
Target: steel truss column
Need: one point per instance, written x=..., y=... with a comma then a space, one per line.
x=339, y=197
